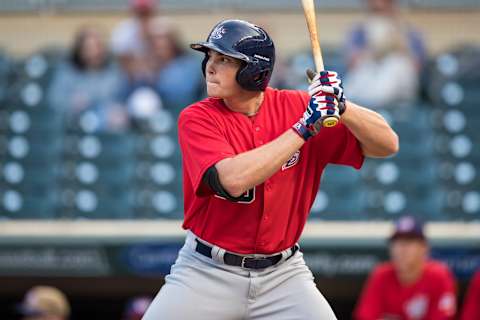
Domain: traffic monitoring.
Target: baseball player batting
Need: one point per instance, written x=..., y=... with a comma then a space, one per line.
x=252, y=161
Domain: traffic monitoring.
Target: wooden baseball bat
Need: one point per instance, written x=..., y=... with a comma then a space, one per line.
x=309, y=11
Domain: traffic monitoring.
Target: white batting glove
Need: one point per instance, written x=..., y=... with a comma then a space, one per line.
x=328, y=82
x=322, y=105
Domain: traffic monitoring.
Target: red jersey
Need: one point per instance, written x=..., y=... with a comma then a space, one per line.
x=471, y=304
x=432, y=297
x=271, y=216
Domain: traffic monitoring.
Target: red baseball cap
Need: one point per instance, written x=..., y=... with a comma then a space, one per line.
x=408, y=227
x=142, y=5
x=136, y=307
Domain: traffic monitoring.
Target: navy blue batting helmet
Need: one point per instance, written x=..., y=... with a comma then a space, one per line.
x=247, y=42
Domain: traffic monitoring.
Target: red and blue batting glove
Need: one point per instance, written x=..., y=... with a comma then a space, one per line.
x=327, y=99
x=320, y=106
x=328, y=82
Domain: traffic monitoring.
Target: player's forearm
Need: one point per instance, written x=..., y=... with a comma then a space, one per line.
x=376, y=137
x=251, y=168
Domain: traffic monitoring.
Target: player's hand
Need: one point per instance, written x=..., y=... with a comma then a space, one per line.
x=327, y=82
x=320, y=106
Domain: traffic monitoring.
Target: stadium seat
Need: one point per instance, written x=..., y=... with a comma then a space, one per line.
x=32, y=151
x=460, y=205
x=27, y=177
x=389, y=203
x=5, y=74
x=98, y=176
x=157, y=147
x=416, y=172
x=88, y=204
x=158, y=203
x=339, y=203
x=340, y=175
x=101, y=147
x=17, y=205
x=39, y=66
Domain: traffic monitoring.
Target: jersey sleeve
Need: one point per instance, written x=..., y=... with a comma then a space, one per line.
x=471, y=304
x=203, y=144
x=369, y=305
x=337, y=145
x=444, y=305
x=343, y=146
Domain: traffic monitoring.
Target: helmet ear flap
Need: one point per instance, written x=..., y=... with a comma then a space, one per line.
x=250, y=76
x=204, y=64
x=253, y=76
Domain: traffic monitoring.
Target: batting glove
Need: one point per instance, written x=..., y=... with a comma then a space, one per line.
x=320, y=106
x=328, y=82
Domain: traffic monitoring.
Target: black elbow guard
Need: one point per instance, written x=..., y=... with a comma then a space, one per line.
x=211, y=179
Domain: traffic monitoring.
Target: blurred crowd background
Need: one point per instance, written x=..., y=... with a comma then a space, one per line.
x=90, y=92
x=88, y=124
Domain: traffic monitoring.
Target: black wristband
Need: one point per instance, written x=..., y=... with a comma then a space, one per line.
x=342, y=106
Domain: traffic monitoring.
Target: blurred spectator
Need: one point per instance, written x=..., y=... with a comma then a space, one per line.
x=88, y=81
x=471, y=304
x=357, y=42
x=385, y=65
x=136, y=307
x=130, y=43
x=410, y=286
x=44, y=303
x=178, y=79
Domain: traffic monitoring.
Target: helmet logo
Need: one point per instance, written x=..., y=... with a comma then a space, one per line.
x=261, y=57
x=218, y=33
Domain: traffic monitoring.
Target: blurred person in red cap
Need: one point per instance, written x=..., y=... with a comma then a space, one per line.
x=386, y=45
x=387, y=56
x=130, y=43
x=471, y=303
x=44, y=303
x=410, y=286
x=357, y=45
x=136, y=308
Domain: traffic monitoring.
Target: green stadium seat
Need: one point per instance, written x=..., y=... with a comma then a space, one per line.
x=32, y=150
x=159, y=201
x=388, y=203
x=16, y=205
x=5, y=74
x=459, y=205
x=31, y=180
x=151, y=147
x=87, y=204
x=340, y=175
x=101, y=148
x=99, y=177
x=339, y=203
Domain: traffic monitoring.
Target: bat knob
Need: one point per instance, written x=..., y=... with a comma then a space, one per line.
x=310, y=74
x=330, y=122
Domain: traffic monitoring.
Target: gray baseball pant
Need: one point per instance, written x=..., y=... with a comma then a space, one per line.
x=202, y=288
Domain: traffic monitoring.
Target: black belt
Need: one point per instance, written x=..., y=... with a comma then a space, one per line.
x=243, y=261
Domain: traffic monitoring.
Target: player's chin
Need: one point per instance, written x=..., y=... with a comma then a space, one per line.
x=214, y=90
